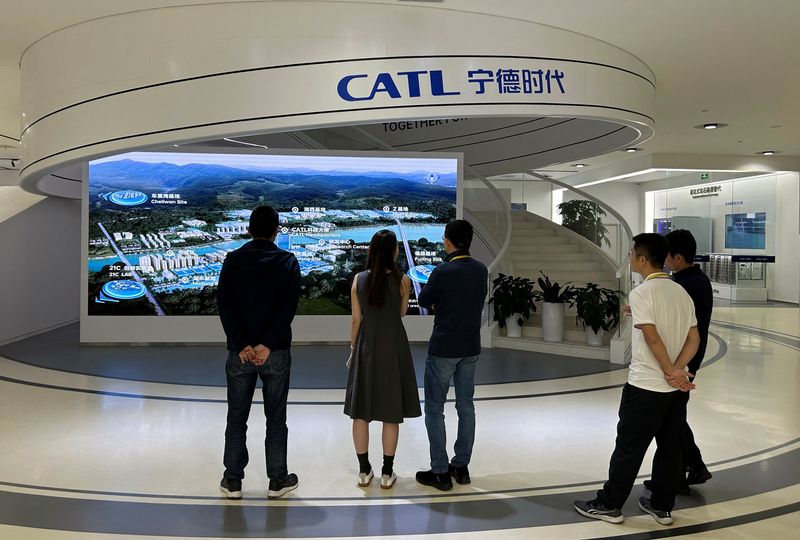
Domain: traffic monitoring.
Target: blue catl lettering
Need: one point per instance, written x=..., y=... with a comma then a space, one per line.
x=413, y=81
x=343, y=91
x=384, y=83
x=437, y=85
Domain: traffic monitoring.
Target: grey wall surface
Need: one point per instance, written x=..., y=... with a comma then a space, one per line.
x=40, y=260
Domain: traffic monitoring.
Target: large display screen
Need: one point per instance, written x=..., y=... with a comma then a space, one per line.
x=746, y=231
x=162, y=223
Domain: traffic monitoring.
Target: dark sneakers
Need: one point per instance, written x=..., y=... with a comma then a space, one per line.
x=698, y=475
x=441, y=482
x=279, y=488
x=461, y=474
x=663, y=517
x=231, y=488
x=682, y=490
x=596, y=510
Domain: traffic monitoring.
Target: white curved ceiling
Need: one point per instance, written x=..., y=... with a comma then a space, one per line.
x=715, y=60
x=491, y=146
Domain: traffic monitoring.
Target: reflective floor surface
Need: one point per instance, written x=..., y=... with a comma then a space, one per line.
x=92, y=453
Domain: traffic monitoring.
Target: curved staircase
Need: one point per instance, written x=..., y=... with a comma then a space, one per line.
x=538, y=244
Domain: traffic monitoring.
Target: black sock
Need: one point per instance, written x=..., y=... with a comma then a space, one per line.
x=363, y=463
x=388, y=464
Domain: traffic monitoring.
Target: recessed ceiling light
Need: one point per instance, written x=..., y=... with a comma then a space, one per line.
x=632, y=150
x=768, y=153
x=580, y=165
x=711, y=125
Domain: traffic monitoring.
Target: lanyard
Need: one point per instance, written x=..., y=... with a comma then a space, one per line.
x=459, y=257
x=657, y=275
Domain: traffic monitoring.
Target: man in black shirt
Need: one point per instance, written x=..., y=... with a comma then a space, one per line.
x=456, y=290
x=682, y=250
x=259, y=287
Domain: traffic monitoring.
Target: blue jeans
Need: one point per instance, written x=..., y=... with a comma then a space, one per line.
x=438, y=372
x=242, y=378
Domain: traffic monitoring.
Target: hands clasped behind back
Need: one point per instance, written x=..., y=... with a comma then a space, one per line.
x=257, y=355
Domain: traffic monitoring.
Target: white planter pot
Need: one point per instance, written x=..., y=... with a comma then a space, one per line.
x=513, y=329
x=594, y=339
x=553, y=322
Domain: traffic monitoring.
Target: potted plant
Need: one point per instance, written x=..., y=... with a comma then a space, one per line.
x=512, y=299
x=554, y=298
x=598, y=311
x=585, y=218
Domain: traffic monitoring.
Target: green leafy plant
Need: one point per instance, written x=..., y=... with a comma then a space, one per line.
x=598, y=307
x=553, y=292
x=512, y=295
x=585, y=218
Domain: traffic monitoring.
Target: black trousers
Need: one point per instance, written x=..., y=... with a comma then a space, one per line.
x=692, y=458
x=643, y=416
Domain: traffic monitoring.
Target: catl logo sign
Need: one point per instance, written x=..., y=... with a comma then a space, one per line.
x=484, y=81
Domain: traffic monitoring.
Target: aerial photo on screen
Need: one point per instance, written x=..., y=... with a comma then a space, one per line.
x=746, y=231
x=162, y=223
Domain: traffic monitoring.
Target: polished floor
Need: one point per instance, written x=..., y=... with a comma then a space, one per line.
x=94, y=449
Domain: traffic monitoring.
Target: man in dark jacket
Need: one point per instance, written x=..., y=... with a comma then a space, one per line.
x=456, y=290
x=682, y=250
x=259, y=287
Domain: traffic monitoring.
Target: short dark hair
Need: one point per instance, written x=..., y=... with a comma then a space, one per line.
x=263, y=222
x=652, y=246
x=681, y=242
x=459, y=232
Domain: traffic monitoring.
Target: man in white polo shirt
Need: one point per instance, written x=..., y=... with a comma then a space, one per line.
x=653, y=404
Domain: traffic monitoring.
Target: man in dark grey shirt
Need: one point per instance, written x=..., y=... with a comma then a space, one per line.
x=456, y=290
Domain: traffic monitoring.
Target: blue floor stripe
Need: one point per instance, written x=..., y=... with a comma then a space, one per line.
x=233, y=520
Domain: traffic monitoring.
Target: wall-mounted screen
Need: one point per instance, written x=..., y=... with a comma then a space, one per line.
x=746, y=231
x=662, y=226
x=162, y=223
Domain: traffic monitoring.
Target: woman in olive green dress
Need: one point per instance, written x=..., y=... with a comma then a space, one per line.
x=381, y=383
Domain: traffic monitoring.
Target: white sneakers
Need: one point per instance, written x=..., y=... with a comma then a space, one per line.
x=387, y=481
x=365, y=478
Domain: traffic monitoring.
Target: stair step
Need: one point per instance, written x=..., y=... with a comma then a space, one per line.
x=532, y=231
x=584, y=276
x=532, y=225
x=555, y=265
x=566, y=256
x=565, y=348
x=545, y=248
x=538, y=240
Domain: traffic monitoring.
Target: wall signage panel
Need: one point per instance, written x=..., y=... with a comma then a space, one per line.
x=706, y=191
x=487, y=82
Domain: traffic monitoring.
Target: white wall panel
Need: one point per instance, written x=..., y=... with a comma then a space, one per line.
x=786, y=276
x=39, y=263
x=625, y=198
